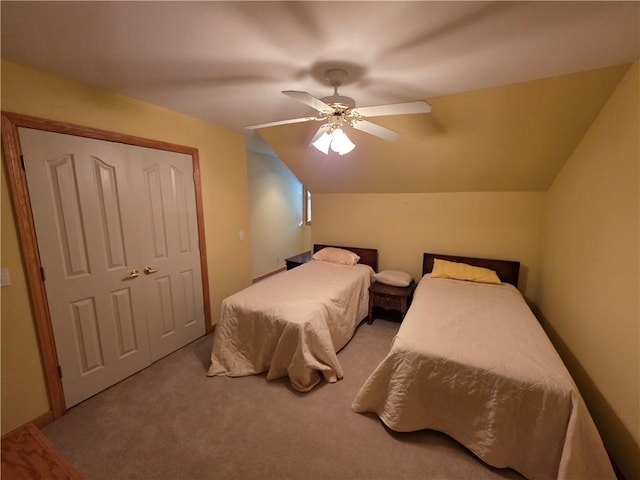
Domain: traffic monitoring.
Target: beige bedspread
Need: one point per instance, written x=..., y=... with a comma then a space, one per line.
x=292, y=324
x=471, y=360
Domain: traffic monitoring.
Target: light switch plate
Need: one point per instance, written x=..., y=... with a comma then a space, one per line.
x=5, y=280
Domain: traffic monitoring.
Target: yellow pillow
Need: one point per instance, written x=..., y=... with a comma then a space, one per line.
x=462, y=271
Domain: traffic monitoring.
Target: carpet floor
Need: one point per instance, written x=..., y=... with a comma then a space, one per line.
x=171, y=421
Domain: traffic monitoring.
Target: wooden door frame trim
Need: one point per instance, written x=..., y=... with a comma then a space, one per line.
x=17, y=181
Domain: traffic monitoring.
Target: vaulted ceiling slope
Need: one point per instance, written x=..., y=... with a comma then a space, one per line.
x=512, y=138
x=513, y=85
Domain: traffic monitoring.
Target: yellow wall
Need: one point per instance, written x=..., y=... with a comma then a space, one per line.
x=403, y=226
x=24, y=394
x=225, y=204
x=588, y=291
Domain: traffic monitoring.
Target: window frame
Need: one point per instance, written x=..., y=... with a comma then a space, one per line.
x=306, y=206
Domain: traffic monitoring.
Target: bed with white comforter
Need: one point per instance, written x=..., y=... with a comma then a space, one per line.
x=292, y=324
x=471, y=360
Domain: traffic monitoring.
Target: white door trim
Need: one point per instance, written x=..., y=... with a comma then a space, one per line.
x=24, y=222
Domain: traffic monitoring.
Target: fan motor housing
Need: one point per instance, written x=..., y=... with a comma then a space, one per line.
x=339, y=102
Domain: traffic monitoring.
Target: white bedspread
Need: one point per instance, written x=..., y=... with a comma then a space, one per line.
x=471, y=360
x=292, y=324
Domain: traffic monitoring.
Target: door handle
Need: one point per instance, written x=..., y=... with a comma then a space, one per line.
x=132, y=274
x=149, y=269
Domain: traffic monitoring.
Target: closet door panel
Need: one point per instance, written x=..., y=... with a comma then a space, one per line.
x=82, y=201
x=168, y=234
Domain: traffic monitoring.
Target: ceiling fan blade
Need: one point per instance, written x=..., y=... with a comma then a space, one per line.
x=310, y=100
x=376, y=130
x=394, y=109
x=283, y=122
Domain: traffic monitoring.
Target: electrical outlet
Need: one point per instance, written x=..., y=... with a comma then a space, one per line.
x=241, y=234
x=5, y=280
x=277, y=257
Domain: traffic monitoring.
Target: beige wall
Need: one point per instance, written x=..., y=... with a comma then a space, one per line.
x=403, y=226
x=225, y=203
x=306, y=242
x=275, y=205
x=588, y=290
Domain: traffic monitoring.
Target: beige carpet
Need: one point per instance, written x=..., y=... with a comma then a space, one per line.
x=172, y=422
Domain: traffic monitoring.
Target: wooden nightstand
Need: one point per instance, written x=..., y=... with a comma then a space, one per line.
x=390, y=298
x=297, y=260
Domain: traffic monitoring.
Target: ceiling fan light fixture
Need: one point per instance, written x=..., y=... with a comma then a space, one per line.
x=341, y=143
x=323, y=142
x=334, y=139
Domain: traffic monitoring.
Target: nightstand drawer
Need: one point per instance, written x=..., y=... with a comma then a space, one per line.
x=388, y=302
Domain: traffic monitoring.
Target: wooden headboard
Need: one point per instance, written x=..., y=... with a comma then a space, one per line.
x=368, y=256
x=507, y=270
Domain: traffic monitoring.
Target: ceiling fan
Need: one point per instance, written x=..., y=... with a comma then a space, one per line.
x=338, y=111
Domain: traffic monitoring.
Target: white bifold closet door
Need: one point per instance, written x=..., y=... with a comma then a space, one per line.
x=118, y=239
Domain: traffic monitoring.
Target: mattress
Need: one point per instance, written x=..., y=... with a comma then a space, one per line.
x=292, y=324
x=471, y=360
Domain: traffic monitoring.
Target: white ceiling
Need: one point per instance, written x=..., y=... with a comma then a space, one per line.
x=227, y=62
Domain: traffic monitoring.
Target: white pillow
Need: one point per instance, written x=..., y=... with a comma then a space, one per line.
x=336, y=255
x=394, y=278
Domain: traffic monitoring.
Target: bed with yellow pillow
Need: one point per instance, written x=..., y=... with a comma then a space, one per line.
x=471, y=360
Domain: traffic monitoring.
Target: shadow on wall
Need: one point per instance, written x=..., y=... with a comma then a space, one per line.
x=523, y=276
x=597, y=403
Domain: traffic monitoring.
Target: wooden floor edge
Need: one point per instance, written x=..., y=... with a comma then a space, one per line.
x=28, y=454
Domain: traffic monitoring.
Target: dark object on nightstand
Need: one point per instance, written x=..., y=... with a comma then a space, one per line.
x=390, y=298
x=297, y=260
